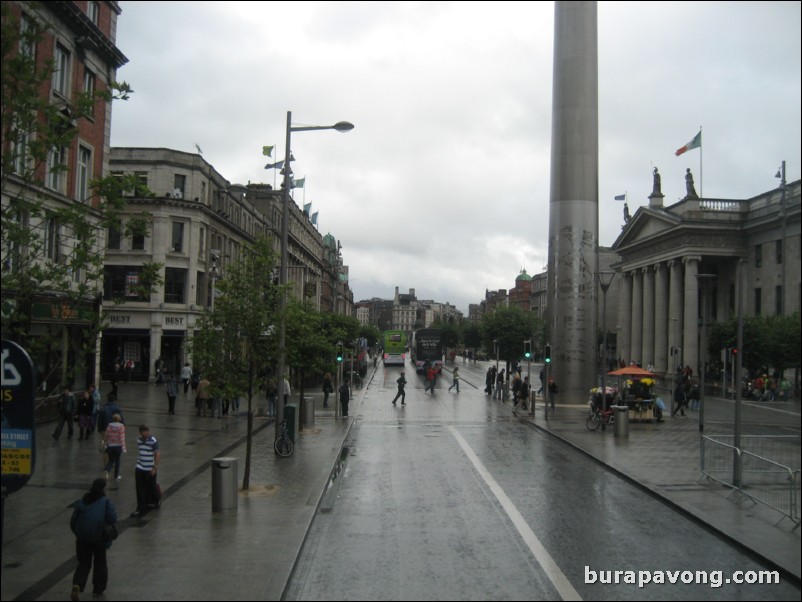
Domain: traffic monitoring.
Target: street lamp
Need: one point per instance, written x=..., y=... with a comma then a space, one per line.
x=605, y=280
x=213, y=273
x=781, y=174
x=703, y=280
x=340, y=126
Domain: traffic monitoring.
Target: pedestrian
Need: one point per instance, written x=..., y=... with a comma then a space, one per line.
x=286, y=390
x=522, y=395
x=680, y=400
x=129, y=369
x=271, y=392
x=515, y=386
x=659, y=407
x=345, y=397
x=489, y=380
x=202, y=399
x=171, y=388
x=186, y=377
x=158, y=367
x=431, y=379
x=114, y=437
x=96, y=406
x=84, y=413
x=454, y=380
x=542, y=381
x=401, y=381
x=499, y=391
x=147, y=466
x=194, y=381
x=553, y=391
x=115, y=379
x=329, y=388
x=66, y=410
x=106, y=417
x=93, y=514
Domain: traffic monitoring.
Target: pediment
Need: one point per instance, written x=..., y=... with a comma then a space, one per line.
x=645, y=225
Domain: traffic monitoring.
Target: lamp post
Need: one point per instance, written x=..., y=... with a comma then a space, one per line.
x=215, y=256
x=703, y=280
x=605, y=280
x=781, y=174
x=341, y=126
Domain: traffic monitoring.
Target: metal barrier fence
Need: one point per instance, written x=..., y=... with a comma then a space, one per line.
x=761, y=479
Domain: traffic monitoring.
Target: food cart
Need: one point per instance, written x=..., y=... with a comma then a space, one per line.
x=636, y=393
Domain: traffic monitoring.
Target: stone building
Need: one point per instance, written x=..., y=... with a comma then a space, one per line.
x=673, y=259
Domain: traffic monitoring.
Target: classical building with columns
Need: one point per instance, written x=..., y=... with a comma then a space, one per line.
x=675, y=260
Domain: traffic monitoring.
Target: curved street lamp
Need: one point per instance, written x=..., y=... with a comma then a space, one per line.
x=340, y=126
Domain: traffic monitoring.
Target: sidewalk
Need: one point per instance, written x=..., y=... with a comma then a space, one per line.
x=664, y=458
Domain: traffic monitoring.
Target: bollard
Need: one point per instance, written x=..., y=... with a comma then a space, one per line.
x=622, y=421
x=309, y=412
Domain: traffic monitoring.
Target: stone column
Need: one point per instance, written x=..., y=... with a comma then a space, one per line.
x=661, y=321
x=637, y=318
x=690, y=332
x=647, y=353
x=675, y=311
x=624, y=317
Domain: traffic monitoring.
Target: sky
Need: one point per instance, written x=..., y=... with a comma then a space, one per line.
x=443, y=184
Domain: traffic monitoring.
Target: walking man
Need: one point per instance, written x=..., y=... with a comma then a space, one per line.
x=66, y=409
x=455, y=380
x=147, y=465
x=345, y=397
x=401, y=383
x=522, y=395
x=88, y=522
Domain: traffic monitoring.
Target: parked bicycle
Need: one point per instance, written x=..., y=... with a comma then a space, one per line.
x=599, y=416
x=283, y=444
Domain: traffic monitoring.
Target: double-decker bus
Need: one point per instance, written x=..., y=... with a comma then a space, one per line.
x=395, y=347
x=425, y=349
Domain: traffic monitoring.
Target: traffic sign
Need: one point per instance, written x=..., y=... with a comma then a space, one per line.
x=19, y=423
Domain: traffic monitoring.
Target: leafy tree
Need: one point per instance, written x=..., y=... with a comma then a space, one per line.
x=235, y=342
x=449, y=335
x=768, y=341
x=509, y=326
x=472, y=335
x=372, y=334
x=53, y=249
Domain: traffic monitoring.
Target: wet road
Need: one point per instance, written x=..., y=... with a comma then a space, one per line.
x=450, y=497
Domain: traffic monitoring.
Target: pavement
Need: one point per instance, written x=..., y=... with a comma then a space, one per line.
x=185, y=551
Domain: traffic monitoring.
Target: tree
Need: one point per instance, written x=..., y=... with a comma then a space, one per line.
x=52, y=246
x=372, y=334
x=449, y=335
x=509, y=327
x=768, y=341
x=233, y=344
x=472, y=335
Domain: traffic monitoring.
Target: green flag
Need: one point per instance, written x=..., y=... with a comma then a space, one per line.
x=267, y=151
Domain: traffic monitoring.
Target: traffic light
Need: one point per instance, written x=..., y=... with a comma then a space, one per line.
x=547, y=354
x=527, y=350
x=339, y=353
x=734, y=353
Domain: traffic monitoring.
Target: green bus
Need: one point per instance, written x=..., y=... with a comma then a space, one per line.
x=395, y=347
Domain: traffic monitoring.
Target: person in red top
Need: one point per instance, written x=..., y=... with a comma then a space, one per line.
x=431, y=377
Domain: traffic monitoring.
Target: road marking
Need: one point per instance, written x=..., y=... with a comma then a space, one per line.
x=553, y=572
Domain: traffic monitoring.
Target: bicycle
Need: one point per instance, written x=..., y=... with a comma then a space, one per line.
x=283, y=444
x=599, y=416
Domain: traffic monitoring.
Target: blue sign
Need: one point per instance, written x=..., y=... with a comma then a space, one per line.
x=19, y=422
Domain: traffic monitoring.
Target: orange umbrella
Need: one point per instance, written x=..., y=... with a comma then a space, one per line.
x=630, y=371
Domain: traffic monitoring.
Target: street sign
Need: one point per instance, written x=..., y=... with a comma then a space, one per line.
x=19, y=424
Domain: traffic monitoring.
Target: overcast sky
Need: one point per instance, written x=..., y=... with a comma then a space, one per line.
x=443, y=185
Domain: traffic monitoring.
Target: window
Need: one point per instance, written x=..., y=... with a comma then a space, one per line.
x=758, y=301
x=61, y=73
x=200, y=290
x=778, y=251
x=121, y=282
x=142, y=182
x=84, y=175
x=56, y=166
x=114, y=238
x=758, y=256
x=20, y=150
x=177, y=245
x=138, y=242
x=52, y=239
x=27, y=44
x=778, y=300
x=202, y=243
x=89, y=89
x=179, y=185
x=93, y=11
x=175, y=284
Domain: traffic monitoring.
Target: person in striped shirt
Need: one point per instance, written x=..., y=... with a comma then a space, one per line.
x=146, y=467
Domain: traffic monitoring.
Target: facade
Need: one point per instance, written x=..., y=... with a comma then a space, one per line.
x=200, y=222
x=675, y=260
x=79, y=41
x=405, y=312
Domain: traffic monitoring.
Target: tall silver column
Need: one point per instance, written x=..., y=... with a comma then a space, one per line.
x=574, y=209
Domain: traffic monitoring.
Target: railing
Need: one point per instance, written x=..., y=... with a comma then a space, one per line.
x=755, y=476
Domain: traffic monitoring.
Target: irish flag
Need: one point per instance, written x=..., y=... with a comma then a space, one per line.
x=695, y=143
